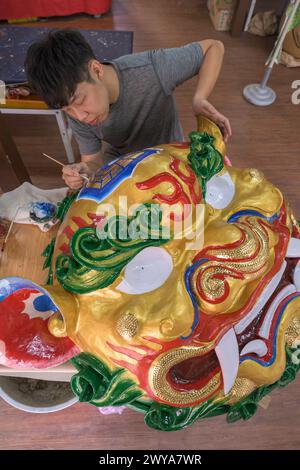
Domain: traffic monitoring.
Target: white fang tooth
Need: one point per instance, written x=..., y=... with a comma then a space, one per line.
x=293, y=250
x=257, y=346
x=264, y=331
x=296, y=277
x=261, y=302
x=227, y=352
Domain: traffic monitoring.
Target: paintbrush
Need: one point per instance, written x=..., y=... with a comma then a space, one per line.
x=9, y=229
x=61, y=164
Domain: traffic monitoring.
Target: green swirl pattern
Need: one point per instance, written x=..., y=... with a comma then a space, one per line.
x=48, y=255
x=65, y=205
x=205, y=160
x=97, y=257
x=96, y=384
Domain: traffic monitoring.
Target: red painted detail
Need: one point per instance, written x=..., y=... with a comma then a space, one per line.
x=152, y=339
x=233, y=275
x=26, y=342
x=98, y=220
x=126, y=365
x=189, y=179
x=68, y=232
x=142, y=368
x=80, y=222
x=178, y=195
x=126, y=351
x=179, y=145
x=65, y=248
x=210, y=326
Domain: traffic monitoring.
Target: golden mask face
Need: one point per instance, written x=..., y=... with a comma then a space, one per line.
x=204, y=314
x=178, y=319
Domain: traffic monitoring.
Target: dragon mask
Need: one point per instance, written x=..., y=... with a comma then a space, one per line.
x=174, y=286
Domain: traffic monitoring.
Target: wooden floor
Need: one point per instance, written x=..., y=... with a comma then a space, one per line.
x=266, y=138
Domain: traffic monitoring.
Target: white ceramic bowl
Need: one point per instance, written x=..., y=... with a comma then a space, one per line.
x=12, y=393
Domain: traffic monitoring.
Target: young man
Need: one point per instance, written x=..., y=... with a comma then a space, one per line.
x=128, y=102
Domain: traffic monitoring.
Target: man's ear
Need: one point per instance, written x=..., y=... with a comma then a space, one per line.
x=96, y=69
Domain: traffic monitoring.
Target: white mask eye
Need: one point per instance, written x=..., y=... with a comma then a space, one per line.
x=220, y=191
x=147, y=271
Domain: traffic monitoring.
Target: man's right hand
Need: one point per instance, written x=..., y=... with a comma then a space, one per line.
x=71, y=174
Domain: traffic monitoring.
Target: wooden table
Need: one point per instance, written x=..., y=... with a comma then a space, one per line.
x=13, y=171
x=22, y=254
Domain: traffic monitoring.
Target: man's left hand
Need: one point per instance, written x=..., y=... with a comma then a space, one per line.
x=204, y=107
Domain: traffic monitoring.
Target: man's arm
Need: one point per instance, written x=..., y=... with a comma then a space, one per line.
x=94, y=161
x=88, y=166
x=213, y=51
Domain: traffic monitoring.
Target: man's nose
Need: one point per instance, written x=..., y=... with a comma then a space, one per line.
x=79, y=114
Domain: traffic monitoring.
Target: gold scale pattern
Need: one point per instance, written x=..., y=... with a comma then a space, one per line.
x=256, y=238
x=161, y=386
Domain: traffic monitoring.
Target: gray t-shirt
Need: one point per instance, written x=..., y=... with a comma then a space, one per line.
x=145, y=112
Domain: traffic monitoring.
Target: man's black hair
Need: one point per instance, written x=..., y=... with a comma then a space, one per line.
x=56, y=64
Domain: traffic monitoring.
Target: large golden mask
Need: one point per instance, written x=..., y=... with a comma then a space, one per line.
x=174, y=281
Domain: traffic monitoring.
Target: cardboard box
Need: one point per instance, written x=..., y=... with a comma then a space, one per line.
x=221, y=13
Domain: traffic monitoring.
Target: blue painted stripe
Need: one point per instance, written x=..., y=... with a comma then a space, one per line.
x=187, y=280
x=99, y=193
x=234, y=217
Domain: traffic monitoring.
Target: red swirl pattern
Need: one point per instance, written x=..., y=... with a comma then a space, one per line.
x=178, y=195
